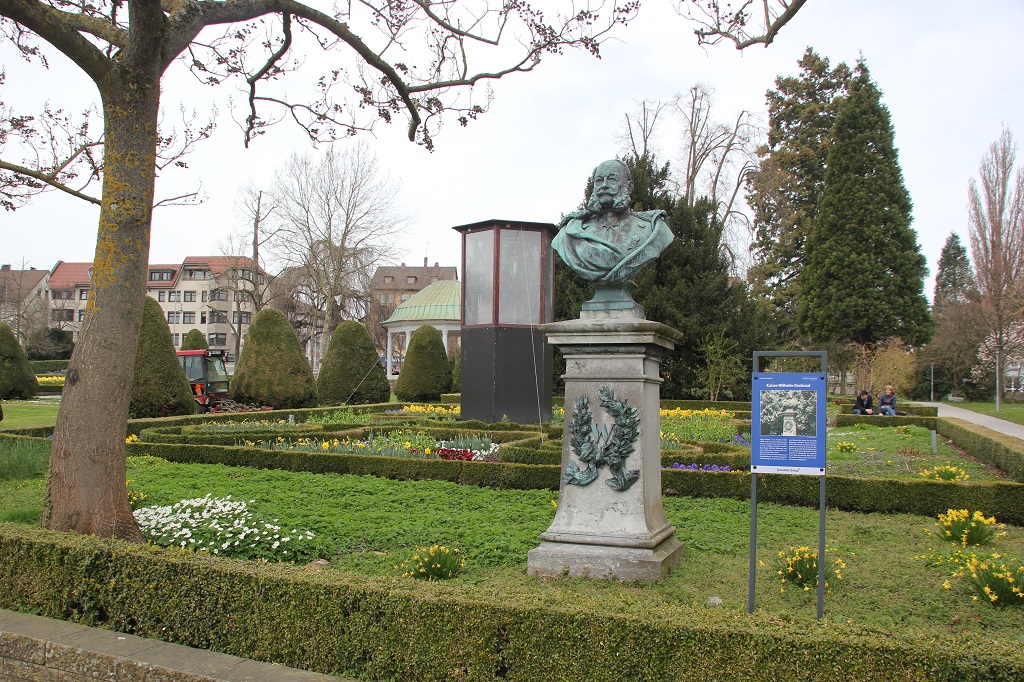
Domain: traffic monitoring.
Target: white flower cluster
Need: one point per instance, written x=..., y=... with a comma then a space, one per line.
x=218, y=525
x=483, y=453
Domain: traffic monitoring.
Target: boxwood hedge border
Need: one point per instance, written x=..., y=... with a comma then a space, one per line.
x=389, y=628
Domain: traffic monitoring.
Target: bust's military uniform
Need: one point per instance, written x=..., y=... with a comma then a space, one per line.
x=611, y=254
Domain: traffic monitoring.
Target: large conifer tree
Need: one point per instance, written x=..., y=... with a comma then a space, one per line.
x=864, y=273
x=954, y=279
x=785, y=190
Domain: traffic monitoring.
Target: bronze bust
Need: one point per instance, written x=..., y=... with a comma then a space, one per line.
x=607, y=243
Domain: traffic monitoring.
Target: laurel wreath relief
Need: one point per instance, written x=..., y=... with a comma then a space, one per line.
x=600, y=446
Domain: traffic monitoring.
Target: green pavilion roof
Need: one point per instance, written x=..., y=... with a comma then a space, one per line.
x=441, y=300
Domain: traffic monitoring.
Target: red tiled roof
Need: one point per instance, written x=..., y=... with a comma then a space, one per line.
x=218, y=264
x=67, y=276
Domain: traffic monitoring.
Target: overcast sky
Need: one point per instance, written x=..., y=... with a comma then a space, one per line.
x=949, y=72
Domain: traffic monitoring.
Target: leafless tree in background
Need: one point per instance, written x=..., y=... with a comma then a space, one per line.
x=336, y=221
x=996, y=221
x=716, y=157
x=257, y=207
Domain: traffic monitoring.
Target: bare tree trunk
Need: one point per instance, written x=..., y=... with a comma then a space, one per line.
x=86, y=490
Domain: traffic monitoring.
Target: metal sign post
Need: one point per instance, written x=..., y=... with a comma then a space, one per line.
x=788, y=420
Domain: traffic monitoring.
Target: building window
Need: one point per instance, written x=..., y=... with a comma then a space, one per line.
x=174, y=317
x=81, y=315
x=174, y=297
x=63, y=295
x=434, y=278
x=243, y=318
x=188, y=318
x=160, y=296
x=218, y=317
x=176, y=339
x=411, y=279
x=219, y=295
x=387, y=299
x=388, y=279
x=217, y=339
x=190, y=297
x=159, y=275
x=67, y=315
x=202, y=317
x=83, y=295
x=405, y=297
x=203, y=297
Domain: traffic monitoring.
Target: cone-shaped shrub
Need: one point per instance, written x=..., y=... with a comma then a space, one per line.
x=194, y=340
x=271, y=369
x=426, y=373
x=351, y=372
x=159, y=386
x=17, y=380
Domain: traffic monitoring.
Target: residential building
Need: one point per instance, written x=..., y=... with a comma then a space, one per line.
x=67, y=294
x=393, y=285
x=24, y=306
x=217, y=295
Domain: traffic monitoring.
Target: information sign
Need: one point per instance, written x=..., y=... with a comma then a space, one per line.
x=788, y=424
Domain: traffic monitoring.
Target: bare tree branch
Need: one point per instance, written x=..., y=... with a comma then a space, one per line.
x=719, y=25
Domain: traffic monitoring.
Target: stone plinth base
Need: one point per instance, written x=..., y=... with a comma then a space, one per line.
x=600, y=561
x=610, y=521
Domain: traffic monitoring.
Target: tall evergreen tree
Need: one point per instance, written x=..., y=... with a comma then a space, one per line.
x=785, y=191
x=954, y=279
x=959, y=323
x=864, y=273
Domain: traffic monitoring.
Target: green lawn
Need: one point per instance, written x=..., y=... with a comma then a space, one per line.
x=22, y=413
x=368, y=525
x=1011, y=412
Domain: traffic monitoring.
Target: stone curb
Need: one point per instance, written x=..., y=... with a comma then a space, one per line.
x=37, y=649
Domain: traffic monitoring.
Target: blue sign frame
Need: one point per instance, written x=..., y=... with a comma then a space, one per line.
x=788, y=422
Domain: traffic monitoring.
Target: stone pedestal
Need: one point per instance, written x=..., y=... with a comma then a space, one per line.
x=610, y=521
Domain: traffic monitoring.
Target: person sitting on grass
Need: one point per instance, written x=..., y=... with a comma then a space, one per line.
x=863, y=404
x=887, y=403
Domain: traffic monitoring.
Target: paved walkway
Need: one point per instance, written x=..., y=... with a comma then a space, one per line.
x=994, y=423
x=33, y=649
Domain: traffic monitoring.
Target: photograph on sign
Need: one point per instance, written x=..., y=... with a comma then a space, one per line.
x=789, y=413
x=788, y=424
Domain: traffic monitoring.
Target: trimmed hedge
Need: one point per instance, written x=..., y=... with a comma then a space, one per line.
x=49, y=366
x=194, y=340
x=484, y=474
x=159, y=385
x=351, y=372
x=1003, y=500
x=730, y=405
x=17, y=380
x=876, y=420
x=271, y=369
x=911, y=409
x=999, y=450
x=426, y=372
x=387, y=628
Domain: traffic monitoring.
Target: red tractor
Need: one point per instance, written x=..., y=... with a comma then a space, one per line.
x=208, y=377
